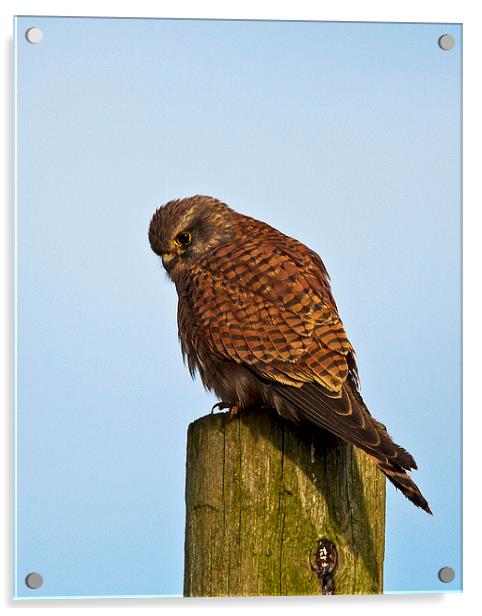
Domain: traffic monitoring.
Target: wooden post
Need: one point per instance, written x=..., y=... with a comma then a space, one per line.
x=259, y=497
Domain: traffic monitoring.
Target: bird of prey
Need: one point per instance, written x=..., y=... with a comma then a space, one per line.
x=258, y=321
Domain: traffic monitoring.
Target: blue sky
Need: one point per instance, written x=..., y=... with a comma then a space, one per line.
x=345, y=136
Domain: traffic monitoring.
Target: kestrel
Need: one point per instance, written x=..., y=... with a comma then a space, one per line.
x=258, y=322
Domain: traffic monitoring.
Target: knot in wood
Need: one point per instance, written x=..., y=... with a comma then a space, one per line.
x=324, y=565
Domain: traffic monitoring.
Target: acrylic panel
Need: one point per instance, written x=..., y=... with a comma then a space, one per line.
x=345, y=136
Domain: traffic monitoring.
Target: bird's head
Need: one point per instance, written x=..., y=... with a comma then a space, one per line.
x=184, y=230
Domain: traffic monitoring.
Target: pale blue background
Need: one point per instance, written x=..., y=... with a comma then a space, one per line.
x=346, y=136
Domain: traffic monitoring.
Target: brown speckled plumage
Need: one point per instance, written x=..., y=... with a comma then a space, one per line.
x=258, y=321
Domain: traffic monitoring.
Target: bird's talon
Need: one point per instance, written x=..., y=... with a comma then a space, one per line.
x=233, y=408
x=222, y=405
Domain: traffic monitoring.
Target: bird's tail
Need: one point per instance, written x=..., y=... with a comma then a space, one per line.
x=394, y=469
x=401, y=480
x=349, y=418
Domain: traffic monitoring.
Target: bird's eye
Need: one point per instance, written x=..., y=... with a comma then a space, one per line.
x=183, y=239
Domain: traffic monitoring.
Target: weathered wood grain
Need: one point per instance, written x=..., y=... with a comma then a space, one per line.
x=259, y=495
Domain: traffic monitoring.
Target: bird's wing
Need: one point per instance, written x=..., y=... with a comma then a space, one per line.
x=268, y=305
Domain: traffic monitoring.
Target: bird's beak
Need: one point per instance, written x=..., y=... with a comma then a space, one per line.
x=167, y=257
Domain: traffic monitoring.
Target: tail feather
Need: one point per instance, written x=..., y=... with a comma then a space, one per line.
x=349, y=418
x=401, y=480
